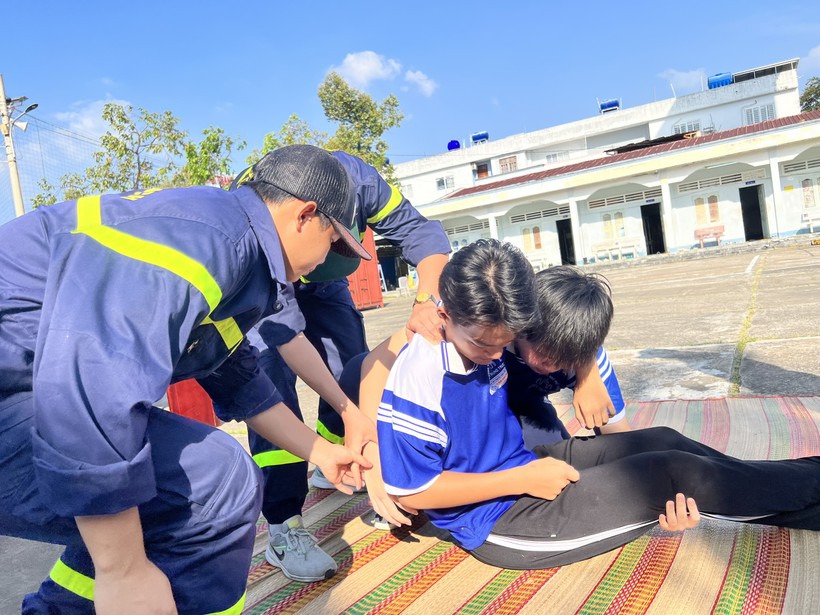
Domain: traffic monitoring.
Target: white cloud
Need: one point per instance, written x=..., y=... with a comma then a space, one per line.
x=107, y=81
x=685, y=82
x=85, y=117
x=810, y=65
x=362, y=68
x=425, y=85
x=495, y=102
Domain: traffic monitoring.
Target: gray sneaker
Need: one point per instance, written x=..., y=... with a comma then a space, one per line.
x=318, y=480
x=293, y=549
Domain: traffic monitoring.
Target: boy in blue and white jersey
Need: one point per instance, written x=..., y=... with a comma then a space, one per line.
x=449, y=445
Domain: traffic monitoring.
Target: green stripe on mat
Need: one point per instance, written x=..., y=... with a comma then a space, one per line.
x=616, y=576
x=490, y=591
x=738, y=572
x=392, y=587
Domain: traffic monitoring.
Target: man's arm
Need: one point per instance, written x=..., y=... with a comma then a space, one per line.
x=303, y=358
x=280, y=426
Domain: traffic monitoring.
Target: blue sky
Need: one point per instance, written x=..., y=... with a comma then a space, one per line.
x=456, y=67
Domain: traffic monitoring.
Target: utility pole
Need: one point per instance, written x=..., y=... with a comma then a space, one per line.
x=6, y=126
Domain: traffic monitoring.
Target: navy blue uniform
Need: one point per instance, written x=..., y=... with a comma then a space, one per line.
x=326, y=313
x=104, y=302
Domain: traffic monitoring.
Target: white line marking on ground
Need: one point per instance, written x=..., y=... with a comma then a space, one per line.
x=751, y=266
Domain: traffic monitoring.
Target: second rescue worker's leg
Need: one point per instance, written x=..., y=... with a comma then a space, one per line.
x=336, y=328
x=290, y=546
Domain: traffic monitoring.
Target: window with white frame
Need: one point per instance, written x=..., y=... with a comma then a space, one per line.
x=760, y=113
x=406, y=190
x=444, y=183
x=554, y=157
x=508, y=164
x=686, y=126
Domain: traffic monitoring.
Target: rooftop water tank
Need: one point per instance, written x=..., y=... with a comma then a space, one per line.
x=479, y=137
x=719, y=80
x=454, y=144
x=610, y=104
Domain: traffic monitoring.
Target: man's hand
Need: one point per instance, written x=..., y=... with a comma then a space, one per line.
x=546, y=478
x=142, y=589
x=340, y=465
x=681, y=514
x=425, y=321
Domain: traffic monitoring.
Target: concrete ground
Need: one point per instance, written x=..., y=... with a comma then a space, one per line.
x=737, y=320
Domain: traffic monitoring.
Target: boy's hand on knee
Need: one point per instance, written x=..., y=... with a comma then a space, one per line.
x=681, y=514
x=546, y=478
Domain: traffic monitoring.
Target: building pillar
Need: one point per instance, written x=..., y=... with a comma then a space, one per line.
x=577, y=239
x=666, y=214
x=777, y=188
x=491, y=220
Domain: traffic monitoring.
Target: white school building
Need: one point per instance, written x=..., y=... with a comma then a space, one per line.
x=735, y=162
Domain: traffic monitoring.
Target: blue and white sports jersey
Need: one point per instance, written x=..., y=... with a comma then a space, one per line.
x=435, y=416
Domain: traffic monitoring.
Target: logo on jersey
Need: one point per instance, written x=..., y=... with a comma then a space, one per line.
x=497, y=373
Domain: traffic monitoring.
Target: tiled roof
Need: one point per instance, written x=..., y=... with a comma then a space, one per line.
x=783, y=122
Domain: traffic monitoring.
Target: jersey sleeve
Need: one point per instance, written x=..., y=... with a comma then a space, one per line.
x=613, y=387
x=412, y=437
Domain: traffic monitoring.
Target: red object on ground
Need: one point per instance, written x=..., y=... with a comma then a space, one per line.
x=189, y=399
x=365, y=284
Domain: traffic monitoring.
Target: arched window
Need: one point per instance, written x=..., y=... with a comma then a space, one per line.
x=527, y=240
x=536, y=237
x=714, y=210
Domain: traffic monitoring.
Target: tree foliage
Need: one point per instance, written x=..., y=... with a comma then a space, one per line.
x=136, y=152
x=810, y=97
x=362, y=123
x=295, y=131
x=208, y=160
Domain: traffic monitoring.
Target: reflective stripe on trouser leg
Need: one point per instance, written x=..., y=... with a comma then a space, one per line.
x=284, y=474
x=68, y=589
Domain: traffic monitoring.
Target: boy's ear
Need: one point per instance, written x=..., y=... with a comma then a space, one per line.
x=305, y=211
x=442, y=313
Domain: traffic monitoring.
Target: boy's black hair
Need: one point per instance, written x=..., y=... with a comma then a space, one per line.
x=575, y=314
x=489, y=283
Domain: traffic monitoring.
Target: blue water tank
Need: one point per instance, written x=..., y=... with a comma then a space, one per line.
x=610, y=104
x=454, y=144
x=719, y=80
x=480, y=137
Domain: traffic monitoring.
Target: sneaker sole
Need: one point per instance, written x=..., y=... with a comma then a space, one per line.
x=270, y=557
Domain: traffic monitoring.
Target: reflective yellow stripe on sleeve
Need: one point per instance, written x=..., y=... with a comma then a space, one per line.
x=89, y=222
x=275, y=458
x=392, y=203
x=71, y=580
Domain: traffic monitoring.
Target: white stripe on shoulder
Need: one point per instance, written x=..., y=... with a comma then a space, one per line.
x=396, y=491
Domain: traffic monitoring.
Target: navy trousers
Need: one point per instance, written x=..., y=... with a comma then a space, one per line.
x=336, y=328
x=199, y=529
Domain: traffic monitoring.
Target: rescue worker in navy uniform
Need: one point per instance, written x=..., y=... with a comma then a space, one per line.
x=322, y=310
x=104, y=302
